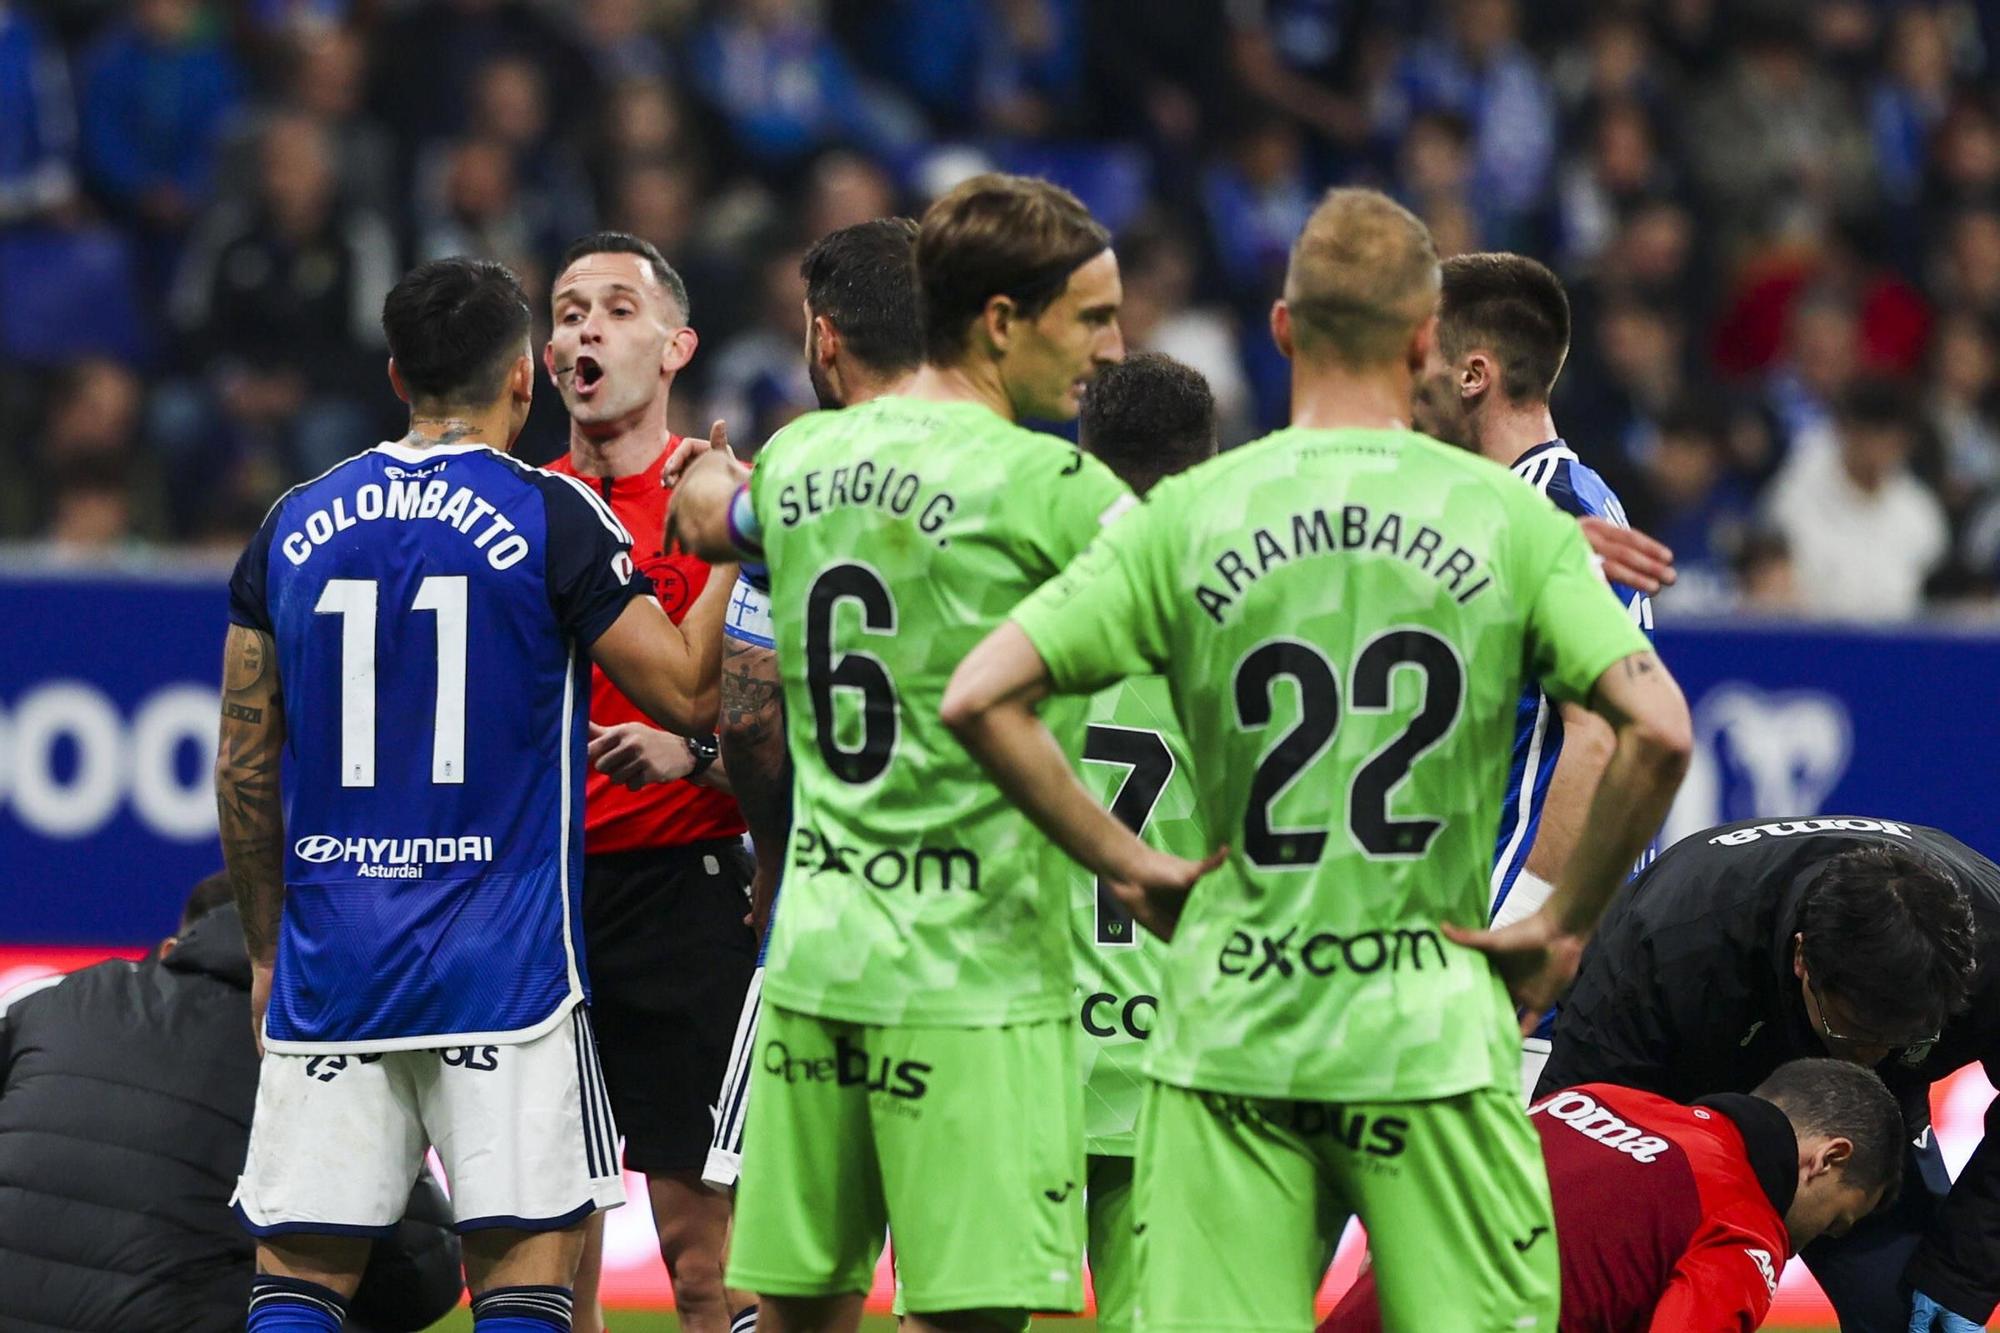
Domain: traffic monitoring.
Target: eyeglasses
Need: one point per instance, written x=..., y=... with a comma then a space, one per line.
x=1914, y=1049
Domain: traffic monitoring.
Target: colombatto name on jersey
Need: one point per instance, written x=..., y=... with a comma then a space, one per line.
x=431, y=609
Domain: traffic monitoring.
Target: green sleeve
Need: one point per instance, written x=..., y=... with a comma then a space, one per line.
x=1100, y=620
x=1577, y=628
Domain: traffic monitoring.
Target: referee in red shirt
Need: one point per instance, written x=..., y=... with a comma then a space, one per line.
x=666, y=875
x=1678, y=1219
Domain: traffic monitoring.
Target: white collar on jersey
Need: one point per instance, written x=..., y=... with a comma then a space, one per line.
x=408, y=455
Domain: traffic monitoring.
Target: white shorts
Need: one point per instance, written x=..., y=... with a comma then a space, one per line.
x=1534, y=1058
x=524, y=1132
x=725, y=1150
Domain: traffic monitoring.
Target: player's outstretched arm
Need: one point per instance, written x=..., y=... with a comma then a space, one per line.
x=248, y=758
x=698, y=516
x=670, y=671
x=1653, y=738
x=990, y=707
x=751, y=732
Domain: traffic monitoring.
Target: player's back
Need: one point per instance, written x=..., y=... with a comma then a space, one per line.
x=429, y=609
x=1136, y=763
x=899, y=533
x=1345, y=619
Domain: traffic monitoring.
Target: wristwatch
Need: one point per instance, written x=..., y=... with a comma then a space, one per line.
x=705, y=750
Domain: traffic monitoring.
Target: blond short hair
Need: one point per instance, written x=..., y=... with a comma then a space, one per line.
x=1363, y=276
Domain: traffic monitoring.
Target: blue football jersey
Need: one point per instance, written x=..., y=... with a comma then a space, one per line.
x=1555, y=471
x=431, y=610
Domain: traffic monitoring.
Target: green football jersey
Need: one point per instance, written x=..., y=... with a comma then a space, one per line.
x=1345, y=620
x=899, y=533
x=1136, y=763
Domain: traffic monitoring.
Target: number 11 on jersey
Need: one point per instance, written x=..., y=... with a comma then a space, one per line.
x=355, y=602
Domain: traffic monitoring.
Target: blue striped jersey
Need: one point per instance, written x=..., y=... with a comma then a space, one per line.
x=431, y=610
x=1555, y=471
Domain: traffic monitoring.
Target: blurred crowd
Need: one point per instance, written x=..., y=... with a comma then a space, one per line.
x=1779, y=221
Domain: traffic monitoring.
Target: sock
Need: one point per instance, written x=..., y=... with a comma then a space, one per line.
x=293, y=1305
x=522, y=1310
x=744, y=1320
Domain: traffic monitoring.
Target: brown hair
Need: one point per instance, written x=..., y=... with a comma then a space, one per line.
x=1513, y=306
x=1363, y=276
x=997, y=235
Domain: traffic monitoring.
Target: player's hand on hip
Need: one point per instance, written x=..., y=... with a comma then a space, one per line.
x=1629, y=556
x=1157, y=891
x=636, y=755
x=260, y=1000
x=1534, y=957
x=1927, y=1316
x=687, y=451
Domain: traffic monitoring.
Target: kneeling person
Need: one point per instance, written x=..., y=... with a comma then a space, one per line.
x=1679, y=1218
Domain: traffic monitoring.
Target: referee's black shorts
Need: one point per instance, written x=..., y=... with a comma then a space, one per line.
x=670, y=960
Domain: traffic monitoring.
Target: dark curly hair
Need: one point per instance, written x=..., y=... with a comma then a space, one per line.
x=1148, y=417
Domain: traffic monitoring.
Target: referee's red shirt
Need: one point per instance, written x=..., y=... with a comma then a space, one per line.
x=666, y=814
x=1669, y=1218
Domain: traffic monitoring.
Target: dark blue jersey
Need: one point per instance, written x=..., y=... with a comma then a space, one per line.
x=431, y=609
x=1555, y=471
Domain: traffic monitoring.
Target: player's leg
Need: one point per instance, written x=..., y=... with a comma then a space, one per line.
x=588, y=1316
x=980, y=1132
x=732, y=1102
x=527, y=1139
x=334, y=1143
x=1456, y=1202
x=670, y=961
x=1113, y=1250
x=1234, y=1216
x=809, y=1210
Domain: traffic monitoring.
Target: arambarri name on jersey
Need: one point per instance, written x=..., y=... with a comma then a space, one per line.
x=431, y=608
x=1352, y=706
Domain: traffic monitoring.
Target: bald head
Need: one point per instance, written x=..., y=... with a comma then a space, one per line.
x=1363, y=277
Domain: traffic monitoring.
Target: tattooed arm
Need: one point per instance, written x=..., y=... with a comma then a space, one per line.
x=247, y=763
x=752, y=733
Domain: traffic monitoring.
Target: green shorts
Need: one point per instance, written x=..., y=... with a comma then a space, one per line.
x=966, y=1144
x=1114, y=1246
x=1241, y=1199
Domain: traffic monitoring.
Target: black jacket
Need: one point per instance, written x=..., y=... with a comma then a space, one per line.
x=1688, y=990
x=125, y=1100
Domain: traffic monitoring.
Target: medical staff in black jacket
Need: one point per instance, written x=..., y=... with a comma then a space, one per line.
x=1871, y=940
x=125, y=1098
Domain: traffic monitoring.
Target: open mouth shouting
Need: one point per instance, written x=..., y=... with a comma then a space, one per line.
x=589, y=375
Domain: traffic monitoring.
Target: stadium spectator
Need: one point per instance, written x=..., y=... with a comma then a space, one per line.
x=125, y=1096
x=1865, y=532
x=756, y=378
x=37, y=122
x=1867, y=939
x=1963, y=400
x=1159, y=267
x=480, y=212
x=329, y=68
x=279, y=299
x=1480, y=72
x=1776, y=146
x=429, y=58
x=782, y=84
x=157, y=92
x=1695, y=503
x=1679, y=1218
x=511, y=108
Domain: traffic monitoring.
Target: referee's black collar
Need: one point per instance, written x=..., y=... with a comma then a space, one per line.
x=1768, y=1140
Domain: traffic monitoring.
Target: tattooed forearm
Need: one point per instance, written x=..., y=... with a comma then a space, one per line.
x=752, y=734
x=247, y=761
